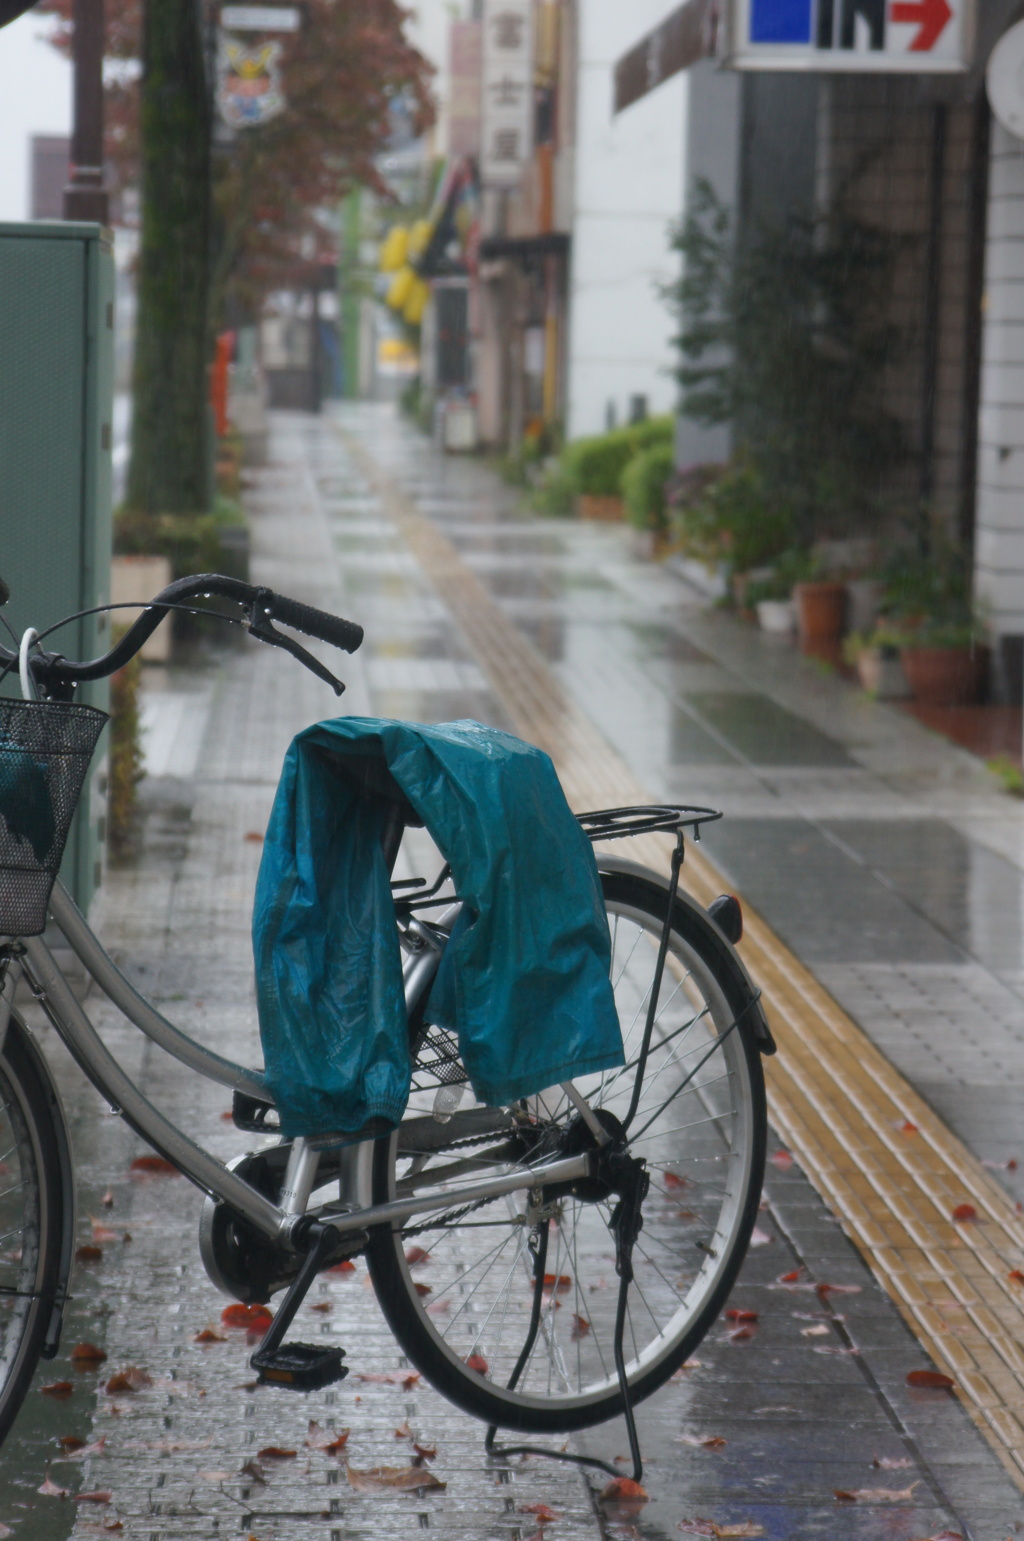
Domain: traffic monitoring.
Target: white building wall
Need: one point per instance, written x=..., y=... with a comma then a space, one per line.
x=999, y=519
x=628, y=189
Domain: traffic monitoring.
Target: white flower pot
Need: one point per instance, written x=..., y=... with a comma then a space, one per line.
x=776, y=616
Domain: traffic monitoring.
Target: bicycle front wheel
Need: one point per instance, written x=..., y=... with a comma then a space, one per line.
x=459, y=1289
x=32, y=1202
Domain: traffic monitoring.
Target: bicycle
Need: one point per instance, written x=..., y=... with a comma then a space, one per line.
x=547, y=1265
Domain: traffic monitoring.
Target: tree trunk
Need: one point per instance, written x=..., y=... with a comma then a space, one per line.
x=168, y=471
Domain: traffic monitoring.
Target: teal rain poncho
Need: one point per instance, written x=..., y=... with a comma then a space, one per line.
x=524, y=982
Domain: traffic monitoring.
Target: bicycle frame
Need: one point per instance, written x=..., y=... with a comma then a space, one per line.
x=276, y=1221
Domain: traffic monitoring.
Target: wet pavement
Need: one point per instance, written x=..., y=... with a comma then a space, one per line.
x=886, y=859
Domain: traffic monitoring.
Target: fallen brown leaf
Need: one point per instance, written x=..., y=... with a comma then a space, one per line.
x=963, y=1214
x=82, y=1451
x=49, y=1489
x=88, y=1254
x=837, y=1289
x=424, y=1452
x=422, y=1289
x=107, y=1200
x=70, y=1442
x=131, y=1378
x=323, y=1306
x=331, y=1442
x=876, y=1495
x=932, y=1380
x=743, y=1528
x=275, y=1453
x=543, y=1514
x=1016, y=1276
x=407, y=1379
x=402, y=1479
x=403, y=1431
x=559, y=1282
x=87, y=1355
x=61, y=1389
x=255, y=1471
x=153, y=1166
x=907, y=1128
x=209, y=1336
x=253, y=837
x=416, y=1255
x=580, y=1327
x=702, y=1441
x=93, y=1498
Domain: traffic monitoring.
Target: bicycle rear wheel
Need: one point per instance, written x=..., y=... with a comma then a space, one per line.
x=32, y=1204
x=458, y=1288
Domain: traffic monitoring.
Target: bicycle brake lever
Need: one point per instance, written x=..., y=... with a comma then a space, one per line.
x=266, y=631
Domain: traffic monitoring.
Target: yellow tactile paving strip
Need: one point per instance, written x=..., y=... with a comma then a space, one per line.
x=835, y=1099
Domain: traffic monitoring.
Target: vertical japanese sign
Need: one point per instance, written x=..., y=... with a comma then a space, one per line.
x=874, y=36
x=506, y=91
x=464, y=88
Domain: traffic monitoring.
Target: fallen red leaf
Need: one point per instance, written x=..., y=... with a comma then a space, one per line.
x=88, y=1254
x=323, y=1306
x=275, y=1453
x=107, y=1200
x=253, y=836
x=345, y=1266
x=673, y=1180
x=49, y=1489
x=741, y=1334
x=404, y=1378
x=1016, y=1276
x=963, y=1214
x=423, y=1289
x=61, y=1389
x=101, y=1233
x=253, y=1318
x=153, y=1166
x=736, y=1315
x=87, y=1354
x=82, y=1451
x=837, y=1289
x=580, y=1327
x=544, y=1515
x=416, y=1255
x=329, y=1440
x=701, y=1441
x=907, y=1128
x=424, y=1452
x=623, y=1490
x=406, y=1479
x=478, y=1363
x=93, y=1498
x=933, y=1380
x=790, y=1278
x=560, y=1282
x=403, y=1431
x=129, y=1379
x=209, y=1336
x=227, y=1117
x=782, y=1159
x=71, y=1442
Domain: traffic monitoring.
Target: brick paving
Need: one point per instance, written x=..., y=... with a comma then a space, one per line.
x=624, y=641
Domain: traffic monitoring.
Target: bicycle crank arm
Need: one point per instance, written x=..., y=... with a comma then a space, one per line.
x=403, y=1209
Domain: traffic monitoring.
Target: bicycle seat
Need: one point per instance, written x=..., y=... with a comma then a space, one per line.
x=370, y=775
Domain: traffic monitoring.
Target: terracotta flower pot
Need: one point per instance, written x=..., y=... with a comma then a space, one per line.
x=820, y=611
x=608, y=510
x=944, y=676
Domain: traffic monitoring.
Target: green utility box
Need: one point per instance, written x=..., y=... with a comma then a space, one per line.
x=56, y=415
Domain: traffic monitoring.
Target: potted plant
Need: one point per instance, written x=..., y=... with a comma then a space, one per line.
x=772, y=596
x=931, y=617
x=876, y=657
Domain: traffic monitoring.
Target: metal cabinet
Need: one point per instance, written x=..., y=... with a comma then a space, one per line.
x=56, y=408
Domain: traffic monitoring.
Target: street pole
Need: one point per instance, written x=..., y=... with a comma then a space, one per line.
x=85, y=196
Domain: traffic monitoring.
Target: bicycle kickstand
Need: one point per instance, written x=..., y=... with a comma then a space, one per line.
x=300, y=1366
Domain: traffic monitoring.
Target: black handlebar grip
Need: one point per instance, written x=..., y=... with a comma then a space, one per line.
x=315, y=623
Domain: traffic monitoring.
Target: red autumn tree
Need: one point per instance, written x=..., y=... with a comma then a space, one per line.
x=266, y=189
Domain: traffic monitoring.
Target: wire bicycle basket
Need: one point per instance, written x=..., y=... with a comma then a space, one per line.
x=45, y=750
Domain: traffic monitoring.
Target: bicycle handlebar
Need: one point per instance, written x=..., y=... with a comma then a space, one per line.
x=263, y=604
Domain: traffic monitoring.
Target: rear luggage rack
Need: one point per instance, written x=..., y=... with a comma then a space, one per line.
x=648, y=819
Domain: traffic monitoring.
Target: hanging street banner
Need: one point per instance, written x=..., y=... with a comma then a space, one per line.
x=248, y=82
x=872, y=36
x=506, y=98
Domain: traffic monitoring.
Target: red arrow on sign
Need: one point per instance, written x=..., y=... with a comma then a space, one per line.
x=930, y=16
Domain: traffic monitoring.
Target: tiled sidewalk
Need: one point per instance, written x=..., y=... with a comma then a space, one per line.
x=801, y=1415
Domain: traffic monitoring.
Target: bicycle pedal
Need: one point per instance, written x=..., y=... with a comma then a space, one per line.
x=300, y=1367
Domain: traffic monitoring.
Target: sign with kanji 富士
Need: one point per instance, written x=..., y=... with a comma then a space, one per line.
x=873, y=36
x=506, y=96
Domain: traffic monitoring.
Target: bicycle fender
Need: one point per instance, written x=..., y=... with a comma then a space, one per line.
x=716, y=936
x=51, y=1342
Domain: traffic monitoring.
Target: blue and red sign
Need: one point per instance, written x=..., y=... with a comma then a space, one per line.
x=890, y=36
